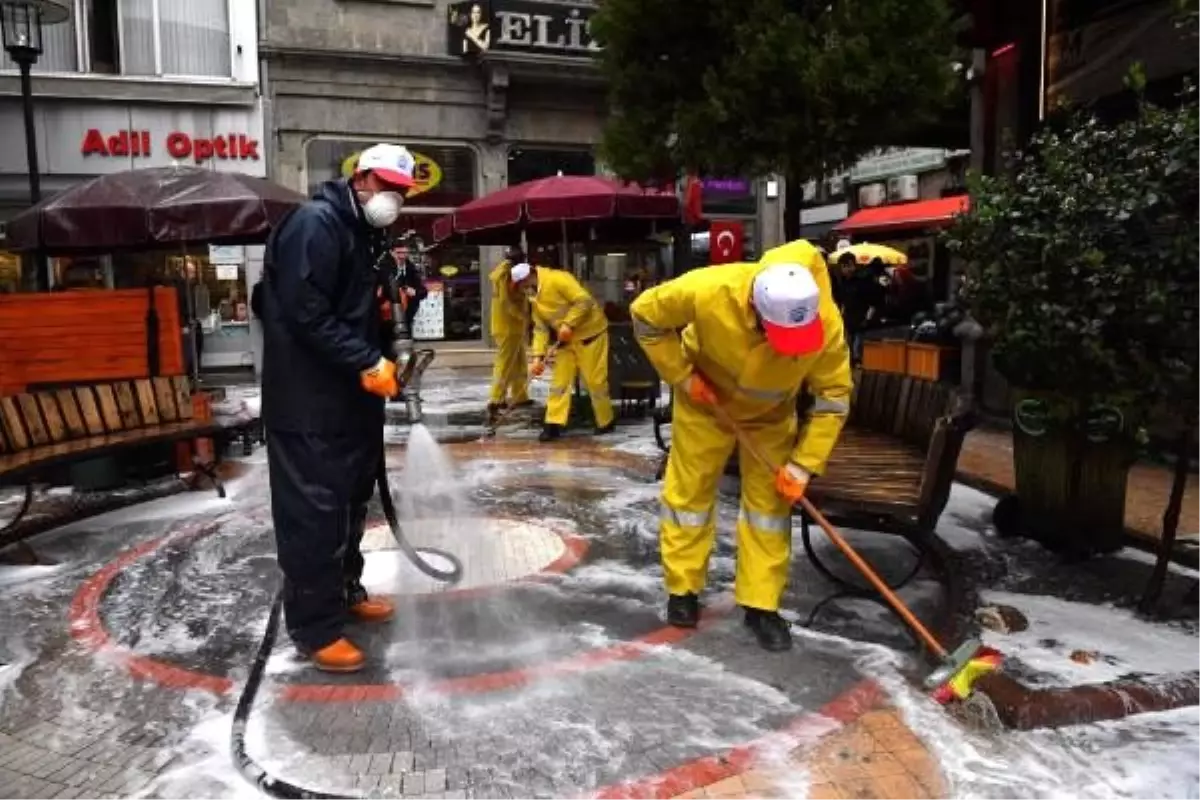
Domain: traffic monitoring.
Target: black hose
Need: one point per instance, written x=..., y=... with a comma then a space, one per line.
x=250, y=769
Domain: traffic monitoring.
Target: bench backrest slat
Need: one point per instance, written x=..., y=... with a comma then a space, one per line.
x=183, y=397
x=56, y=428
x=32, y=417
x=127, y=406
x=85, y=396
x=164, y=396
x=14, y=428
x=144, y=390
x=899, y=405
x=109, y=412
x=70, y=413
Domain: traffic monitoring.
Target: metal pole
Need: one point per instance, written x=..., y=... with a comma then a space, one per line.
x=31, y=156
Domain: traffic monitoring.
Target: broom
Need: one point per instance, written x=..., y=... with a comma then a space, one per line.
x=958, y=670
x=503, y=417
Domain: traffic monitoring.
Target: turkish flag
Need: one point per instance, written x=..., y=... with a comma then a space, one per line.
x=725, y=239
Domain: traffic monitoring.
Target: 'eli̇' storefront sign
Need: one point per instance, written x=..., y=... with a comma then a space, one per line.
x=179, y=145
x=426, y=172
x=522, y=26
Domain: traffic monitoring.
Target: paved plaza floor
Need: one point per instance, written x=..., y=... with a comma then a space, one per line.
x=548, y=671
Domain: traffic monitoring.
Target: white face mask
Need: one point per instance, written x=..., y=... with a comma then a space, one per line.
x=382, y=208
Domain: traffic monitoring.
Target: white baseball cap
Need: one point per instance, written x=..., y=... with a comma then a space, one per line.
x=788, y=301
x=520, y=272
x=391, y=162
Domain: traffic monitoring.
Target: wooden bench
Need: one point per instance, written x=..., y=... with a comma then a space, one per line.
x=893, y=467
x=47, y=429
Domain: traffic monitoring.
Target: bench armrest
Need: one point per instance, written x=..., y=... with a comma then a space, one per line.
x=941, y=461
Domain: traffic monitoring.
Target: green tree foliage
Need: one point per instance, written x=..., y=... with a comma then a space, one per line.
x=1082, y=261
x=747, y=87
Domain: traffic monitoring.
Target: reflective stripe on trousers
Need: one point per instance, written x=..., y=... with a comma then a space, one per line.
x=683, y=518
x=765, y=522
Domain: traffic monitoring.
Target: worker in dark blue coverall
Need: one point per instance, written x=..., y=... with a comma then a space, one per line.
x=324, y=384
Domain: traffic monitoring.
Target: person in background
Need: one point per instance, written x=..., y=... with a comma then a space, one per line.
x=411, y=284
x=510, y=330
x=753, y=336
x=561, y=304
x=325, y=379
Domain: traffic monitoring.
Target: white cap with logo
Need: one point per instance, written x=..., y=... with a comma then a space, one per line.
x=391, y=162
x=788, y=300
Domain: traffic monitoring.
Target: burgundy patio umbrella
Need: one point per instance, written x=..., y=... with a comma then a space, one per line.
x=501, y=216
x=153, y=209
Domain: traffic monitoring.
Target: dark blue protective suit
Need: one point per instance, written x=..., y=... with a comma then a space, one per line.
x=324, y=431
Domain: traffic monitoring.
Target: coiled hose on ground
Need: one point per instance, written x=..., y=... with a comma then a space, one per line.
x=269, y=784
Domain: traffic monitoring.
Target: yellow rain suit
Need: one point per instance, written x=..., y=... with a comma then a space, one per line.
x=561, y=300
x=759, y=388
x=510, y=328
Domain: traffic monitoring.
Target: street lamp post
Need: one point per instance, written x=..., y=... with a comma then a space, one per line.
x=21, y=23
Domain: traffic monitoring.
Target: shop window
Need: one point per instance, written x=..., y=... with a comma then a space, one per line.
x=59, y=51
x=529, y=165
x=103, y=36
x=729, y=196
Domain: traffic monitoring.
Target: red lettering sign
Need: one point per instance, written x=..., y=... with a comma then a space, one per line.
x=180, y=146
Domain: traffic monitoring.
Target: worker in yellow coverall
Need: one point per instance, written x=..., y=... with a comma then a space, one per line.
x=753, y=335
x=561, y=304
x=510, y=330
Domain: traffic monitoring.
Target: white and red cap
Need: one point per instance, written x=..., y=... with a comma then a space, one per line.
x=520, y=272
x=788, y=302
x=391, y=162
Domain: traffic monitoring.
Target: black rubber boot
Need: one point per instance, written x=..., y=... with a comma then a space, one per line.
x=683, y=610
x=493, y=413
x=550, y=433
x=771, y=630
x=609, y=428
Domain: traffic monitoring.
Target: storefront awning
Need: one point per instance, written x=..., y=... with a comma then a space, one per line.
x=921, y=214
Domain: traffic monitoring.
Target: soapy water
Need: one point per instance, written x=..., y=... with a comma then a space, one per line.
x=599, y=728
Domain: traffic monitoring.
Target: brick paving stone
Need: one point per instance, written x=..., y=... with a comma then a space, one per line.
x=381, y=764
x=359, y=762
x=367, y=783
x=403, y=762
x=414, y=784
x=435, y=780
x=392, y=785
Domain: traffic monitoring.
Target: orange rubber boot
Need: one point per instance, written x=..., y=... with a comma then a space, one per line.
x=373, y=609
x=341, y=656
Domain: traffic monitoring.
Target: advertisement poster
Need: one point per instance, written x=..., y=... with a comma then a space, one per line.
x=430, y=322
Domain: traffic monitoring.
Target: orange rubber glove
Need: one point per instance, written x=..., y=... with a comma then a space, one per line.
x=791, y=482
x=537, y=367
x=565, y=334
x=381, y=379
x=699, y=390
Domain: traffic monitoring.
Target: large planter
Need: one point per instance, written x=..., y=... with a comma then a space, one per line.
x=1071, y=476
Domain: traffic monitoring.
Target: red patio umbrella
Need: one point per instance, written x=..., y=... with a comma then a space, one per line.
x=153, y=209
x=501, y=215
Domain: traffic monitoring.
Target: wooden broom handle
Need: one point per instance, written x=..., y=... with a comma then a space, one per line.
x=859, y=563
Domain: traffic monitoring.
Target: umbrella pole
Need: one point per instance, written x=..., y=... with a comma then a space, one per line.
x=565, y=256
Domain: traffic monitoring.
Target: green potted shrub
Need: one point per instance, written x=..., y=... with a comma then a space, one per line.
x=1081, y=264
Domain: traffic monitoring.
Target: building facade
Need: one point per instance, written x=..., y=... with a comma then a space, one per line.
x=126, y=84
x=486, y=94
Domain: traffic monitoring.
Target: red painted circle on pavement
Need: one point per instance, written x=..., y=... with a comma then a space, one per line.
x=87, y=627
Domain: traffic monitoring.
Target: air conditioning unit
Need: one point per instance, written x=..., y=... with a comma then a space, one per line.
x=873, y=194
x=903, y=187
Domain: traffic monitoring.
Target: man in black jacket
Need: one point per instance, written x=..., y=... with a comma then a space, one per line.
x=324, y=384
